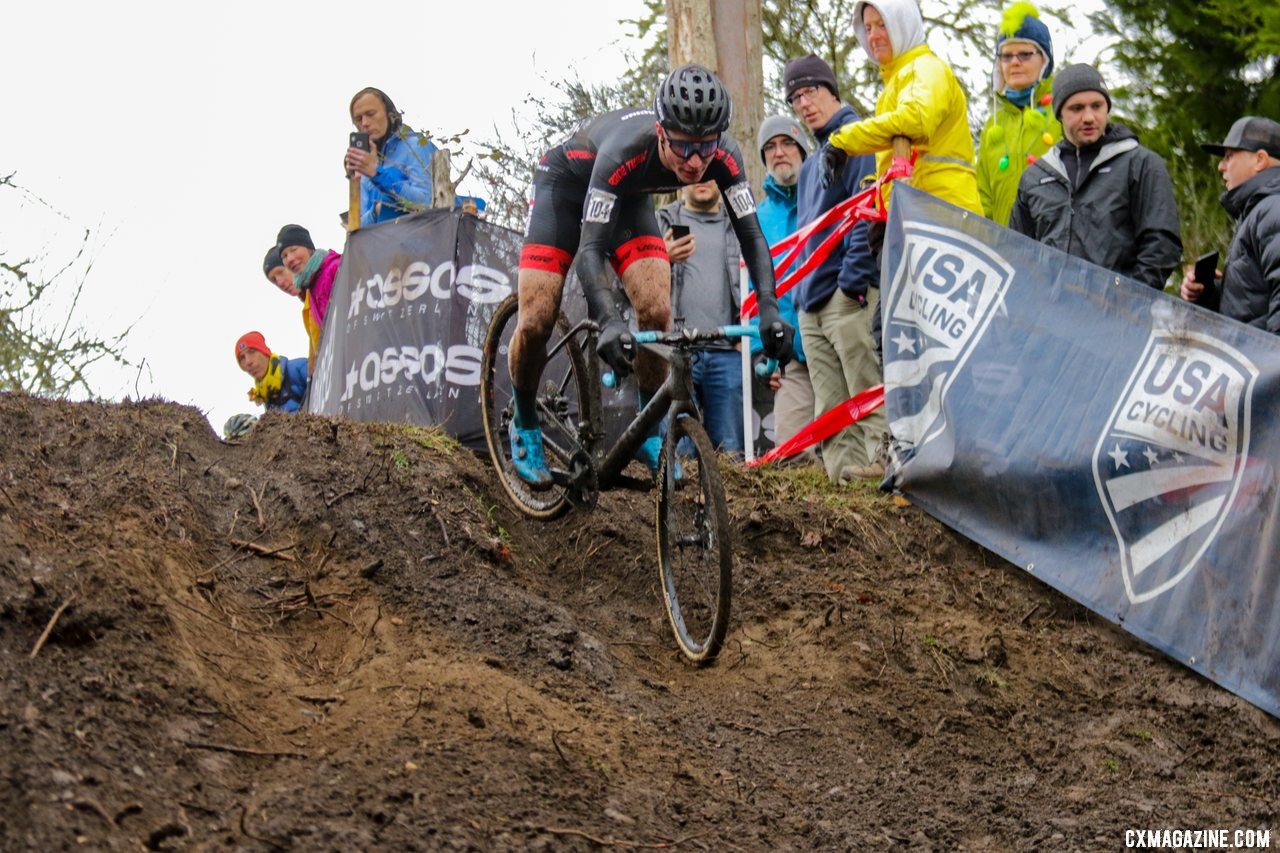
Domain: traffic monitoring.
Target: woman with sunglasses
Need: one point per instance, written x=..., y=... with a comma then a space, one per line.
x=591, y=199
x=1021, y=127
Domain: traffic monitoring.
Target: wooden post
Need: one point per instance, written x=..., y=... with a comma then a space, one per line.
x=725, y=36
x=736, y=24
x=442, y=186
x=902, y=150
x=353, y=204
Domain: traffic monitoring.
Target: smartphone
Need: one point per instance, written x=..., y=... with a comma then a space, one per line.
x=1206, y=268
x=679, y=231
x=360, y=140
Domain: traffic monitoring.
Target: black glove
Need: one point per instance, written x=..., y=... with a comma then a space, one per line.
x=617, y=347
x=833, y=160
x=776, y=336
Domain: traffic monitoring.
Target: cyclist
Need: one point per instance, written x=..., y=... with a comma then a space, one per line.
x=591, y=197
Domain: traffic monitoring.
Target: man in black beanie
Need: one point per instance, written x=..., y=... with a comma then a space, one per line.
x=313, y=273
x=836, y=302
x=1098, y=194
x=274, y=269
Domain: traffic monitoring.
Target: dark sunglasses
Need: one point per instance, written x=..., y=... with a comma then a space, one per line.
x=686, y=149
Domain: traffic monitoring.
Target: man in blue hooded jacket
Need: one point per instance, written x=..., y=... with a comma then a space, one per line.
x=783, y=148
x=837, y=300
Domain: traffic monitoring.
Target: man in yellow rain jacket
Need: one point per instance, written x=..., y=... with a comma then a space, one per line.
x=922, y=101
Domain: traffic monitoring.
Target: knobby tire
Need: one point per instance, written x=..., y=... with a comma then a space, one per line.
x=561, y=387
x=695, y=548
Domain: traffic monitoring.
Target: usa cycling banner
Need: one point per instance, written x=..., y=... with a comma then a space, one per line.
x=1114, y=441
x=406, y=322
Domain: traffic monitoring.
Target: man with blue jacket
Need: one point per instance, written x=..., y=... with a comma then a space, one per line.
x=396, y=170
x=783, y=148
x=837, y=301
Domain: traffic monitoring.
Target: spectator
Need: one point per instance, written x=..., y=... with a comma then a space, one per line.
x=313, y=273
x=1098, y=194
x=1020, y=129
x=704, y=295
x=276, y=272
x=279, y=275
x=396, y=170
x=922, y=100
x=279, y=383
x=783, y=149
x=1249, y=290
x=837, y=300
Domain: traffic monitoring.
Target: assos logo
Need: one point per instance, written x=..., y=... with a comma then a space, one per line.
x=459, y=364
x=945, y=290
x=1169, y=462
x=474, y=282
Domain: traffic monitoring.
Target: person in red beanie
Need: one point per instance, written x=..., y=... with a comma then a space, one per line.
x=279, y=383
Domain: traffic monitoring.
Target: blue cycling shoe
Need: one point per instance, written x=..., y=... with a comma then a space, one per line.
x=650, y=453
x=528, y=459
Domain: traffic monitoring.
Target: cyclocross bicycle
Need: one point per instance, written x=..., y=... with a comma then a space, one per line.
x=695, y=550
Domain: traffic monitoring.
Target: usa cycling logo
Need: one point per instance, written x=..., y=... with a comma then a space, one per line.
x=1169, y=463
x=945, y=291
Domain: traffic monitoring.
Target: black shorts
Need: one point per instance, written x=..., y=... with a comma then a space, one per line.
x=555, y=223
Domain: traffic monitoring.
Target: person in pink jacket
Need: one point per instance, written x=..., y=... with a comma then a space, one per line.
x=313, y=273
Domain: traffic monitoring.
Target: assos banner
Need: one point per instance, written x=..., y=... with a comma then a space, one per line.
x=407, y=319
x=1114, y=441
x=406, y=322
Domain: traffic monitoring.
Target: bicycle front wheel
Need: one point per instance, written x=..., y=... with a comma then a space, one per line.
x=695, y=549
x=561, y=388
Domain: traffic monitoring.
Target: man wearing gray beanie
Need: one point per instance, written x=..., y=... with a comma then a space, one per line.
x=1098, y=194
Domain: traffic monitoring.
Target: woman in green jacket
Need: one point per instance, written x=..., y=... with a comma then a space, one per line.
x=1021, y=126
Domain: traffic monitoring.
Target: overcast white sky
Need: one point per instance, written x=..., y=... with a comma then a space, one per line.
x=186, y=134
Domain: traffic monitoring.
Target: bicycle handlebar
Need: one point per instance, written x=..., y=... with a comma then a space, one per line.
x=689, y=337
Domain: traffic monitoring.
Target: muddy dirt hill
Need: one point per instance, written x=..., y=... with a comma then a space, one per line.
x=338, y=636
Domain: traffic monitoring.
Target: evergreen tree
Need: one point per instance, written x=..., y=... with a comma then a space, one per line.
x=1191, y=68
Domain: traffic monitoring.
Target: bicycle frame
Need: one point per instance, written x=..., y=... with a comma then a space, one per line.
x=672, y=399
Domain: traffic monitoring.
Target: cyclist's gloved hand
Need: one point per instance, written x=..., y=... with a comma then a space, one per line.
x=833, y=160
x=776, y=336
x=617, y=347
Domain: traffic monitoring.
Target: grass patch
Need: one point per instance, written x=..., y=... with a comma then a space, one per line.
x=989, y=678
x=431, y=438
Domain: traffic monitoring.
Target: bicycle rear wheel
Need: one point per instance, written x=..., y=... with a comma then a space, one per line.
x=695, y=549
x=561, y=387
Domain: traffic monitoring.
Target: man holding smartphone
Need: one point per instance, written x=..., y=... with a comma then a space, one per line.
x=704, y=257
x=1248, y=288
x=393, y=160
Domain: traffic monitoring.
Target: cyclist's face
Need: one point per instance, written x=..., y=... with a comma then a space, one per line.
x=689, y=169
